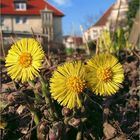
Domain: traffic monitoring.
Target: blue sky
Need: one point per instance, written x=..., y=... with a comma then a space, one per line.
x=80, y=12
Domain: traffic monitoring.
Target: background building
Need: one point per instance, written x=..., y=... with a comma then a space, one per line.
x=73, y=42
x=108, y=21
x=25, y=17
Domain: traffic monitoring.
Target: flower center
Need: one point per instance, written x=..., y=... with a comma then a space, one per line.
x=104, y=74
x=75, y=84
x=25, y=59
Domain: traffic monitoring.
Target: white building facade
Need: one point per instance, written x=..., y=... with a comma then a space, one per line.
x=108, y=21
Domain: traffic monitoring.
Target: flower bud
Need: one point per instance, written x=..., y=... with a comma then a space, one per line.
x=66, y=111
x=52, y=134
x=43, y=128
x=55, y=131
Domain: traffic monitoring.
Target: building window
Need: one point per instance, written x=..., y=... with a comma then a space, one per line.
x=18, y=20
x=1, y=21
x=20, y=6
x=24, y=20
x=95, y=33
x=21, y=20
x=17, y=6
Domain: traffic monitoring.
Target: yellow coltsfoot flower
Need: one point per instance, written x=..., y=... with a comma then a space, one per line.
x=105, y=74
x=24, y=59
x=67, y=82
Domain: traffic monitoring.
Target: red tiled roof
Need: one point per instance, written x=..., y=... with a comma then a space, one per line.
x=102, y=21
x=33, y=8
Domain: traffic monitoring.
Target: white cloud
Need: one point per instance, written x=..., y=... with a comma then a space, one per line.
x=63, y=2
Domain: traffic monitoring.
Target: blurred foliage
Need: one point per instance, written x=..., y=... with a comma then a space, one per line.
x=133, y=8
x=113, y=45
x=69, y=51
x=105, y=43
x=120, y=40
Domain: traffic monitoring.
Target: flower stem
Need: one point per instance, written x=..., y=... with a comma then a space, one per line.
x=36, y=94
x=36, y=120
x=35, y=116
x=48, y=100
x=92, y=100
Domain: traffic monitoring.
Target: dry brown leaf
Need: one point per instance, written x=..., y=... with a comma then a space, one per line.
x=9, y=85
x=20, y=109
x=109, y=131
x=121, y=137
